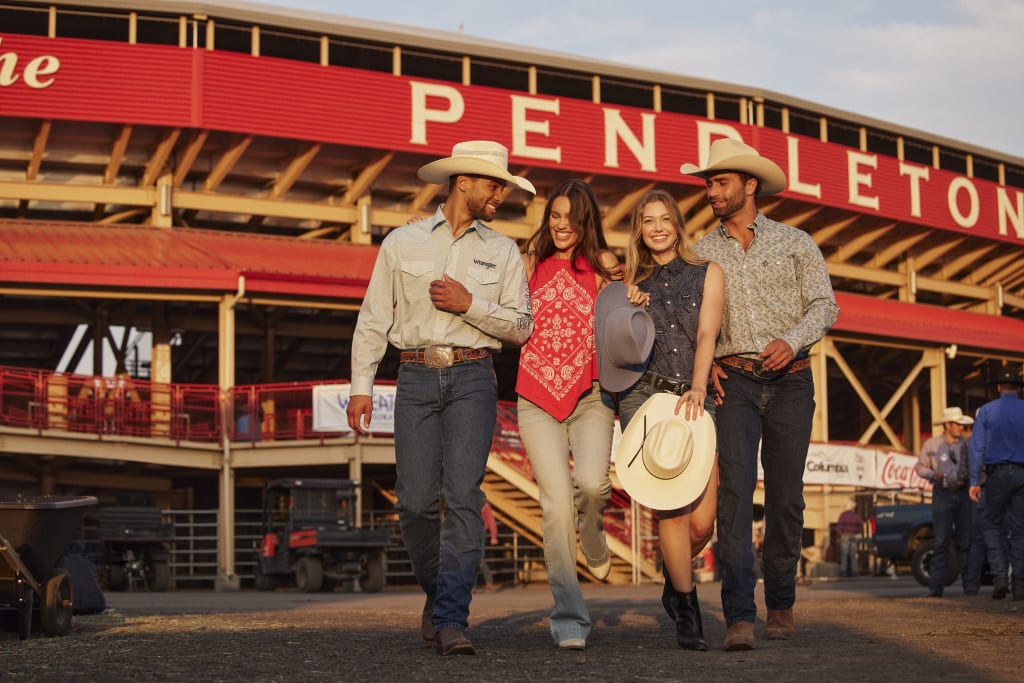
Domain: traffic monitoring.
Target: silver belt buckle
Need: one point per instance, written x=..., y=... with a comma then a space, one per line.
x=438, y=356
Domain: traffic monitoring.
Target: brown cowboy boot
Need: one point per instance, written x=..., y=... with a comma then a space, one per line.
x=780, y=624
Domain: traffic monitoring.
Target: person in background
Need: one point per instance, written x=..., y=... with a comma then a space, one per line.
x=560, y=408
x=684, y=296
x=849, y=526
x=448, y=291
x=997, y=447
x=944, y=462
x=779, y=302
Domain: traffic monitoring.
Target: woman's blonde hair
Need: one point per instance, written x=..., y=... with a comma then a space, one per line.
x=639, y=262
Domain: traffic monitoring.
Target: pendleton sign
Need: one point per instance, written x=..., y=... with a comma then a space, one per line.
x=75, y=79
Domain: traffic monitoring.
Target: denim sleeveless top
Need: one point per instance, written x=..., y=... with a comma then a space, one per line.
x=677, y=290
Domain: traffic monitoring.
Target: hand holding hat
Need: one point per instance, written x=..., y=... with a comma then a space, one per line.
x=664, y=461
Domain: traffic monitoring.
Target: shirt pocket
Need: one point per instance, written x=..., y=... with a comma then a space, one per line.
x=416, y=275
x=483, y=281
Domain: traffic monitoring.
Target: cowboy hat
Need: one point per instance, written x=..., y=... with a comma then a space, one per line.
x=624, y=334
x=663, y=460
x=954, y=415
x=1007, y=375
x=474, y=157
x=727, y=155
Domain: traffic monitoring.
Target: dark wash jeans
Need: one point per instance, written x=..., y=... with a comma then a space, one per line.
x=444, y=425
x=1004, y=507
x=779, y=415
x=951, y=514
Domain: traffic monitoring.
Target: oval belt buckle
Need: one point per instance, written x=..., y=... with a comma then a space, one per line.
x=438, y=356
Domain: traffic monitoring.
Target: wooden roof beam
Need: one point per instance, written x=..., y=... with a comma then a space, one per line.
x=929, y=256
x=189, y=156
x=895, y=250
x=158, y=159
x=966, y=260
x=226, y=163
x=117, y=152
x=624, y=206
x=358, y=187
x=855, y=245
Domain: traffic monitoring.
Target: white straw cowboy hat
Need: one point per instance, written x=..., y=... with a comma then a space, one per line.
x=474, y=157
x=954, y=415
x=624, y=334
x=727, y=154
x=663, y=460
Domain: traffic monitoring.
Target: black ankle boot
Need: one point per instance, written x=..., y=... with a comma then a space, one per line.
x=689, y=626
x=669, y=596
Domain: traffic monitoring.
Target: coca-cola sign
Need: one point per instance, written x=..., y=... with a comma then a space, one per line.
x=34, y=72
x=897, y=472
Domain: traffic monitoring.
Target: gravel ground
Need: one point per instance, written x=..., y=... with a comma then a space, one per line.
x=853, y=630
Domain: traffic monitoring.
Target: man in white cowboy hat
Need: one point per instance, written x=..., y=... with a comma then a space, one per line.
x=944, y=461
x=778, y=303
x=997, y=447
x=447, y=291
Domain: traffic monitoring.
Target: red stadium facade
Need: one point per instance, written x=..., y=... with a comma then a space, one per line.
x=218, y=176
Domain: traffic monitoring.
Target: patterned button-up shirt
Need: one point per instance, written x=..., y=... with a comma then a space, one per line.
x=397, y=308
x=779, y=288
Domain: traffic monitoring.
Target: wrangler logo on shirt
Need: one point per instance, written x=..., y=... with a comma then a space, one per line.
x=485, y=264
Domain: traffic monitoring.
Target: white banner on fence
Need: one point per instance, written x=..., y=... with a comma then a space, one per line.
x=835, y=464
x=331, y=400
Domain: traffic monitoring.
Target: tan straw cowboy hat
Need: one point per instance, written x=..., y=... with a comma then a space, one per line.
x=474, y=157
x=663, y=460
x=727, y=154
x=954, y=415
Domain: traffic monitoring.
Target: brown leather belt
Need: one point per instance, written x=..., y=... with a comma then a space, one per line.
x=440, y=356
x=755, y=366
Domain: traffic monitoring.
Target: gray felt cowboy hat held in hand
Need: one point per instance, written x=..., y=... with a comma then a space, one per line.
x=727, y=155
x=624, y=336
x=474, y=157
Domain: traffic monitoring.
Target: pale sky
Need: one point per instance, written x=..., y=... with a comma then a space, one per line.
x=953, y=68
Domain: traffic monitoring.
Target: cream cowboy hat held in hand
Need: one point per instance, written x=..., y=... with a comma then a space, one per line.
x=954, y=415
x=624, y=335
x=663, y=460
x=475, y=157
x=727, y=154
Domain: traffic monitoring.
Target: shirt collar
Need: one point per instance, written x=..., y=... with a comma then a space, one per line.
x=438, y=219
x=756, y=226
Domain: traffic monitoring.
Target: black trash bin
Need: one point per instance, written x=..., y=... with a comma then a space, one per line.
x=33, y=532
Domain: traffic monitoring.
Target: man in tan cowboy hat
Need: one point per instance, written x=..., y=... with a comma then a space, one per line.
x=778, y=303
x=944, y=461
x=446, y=291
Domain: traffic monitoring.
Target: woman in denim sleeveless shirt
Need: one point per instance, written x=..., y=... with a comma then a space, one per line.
x=685, y=297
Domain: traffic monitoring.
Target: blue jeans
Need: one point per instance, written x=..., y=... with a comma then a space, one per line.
x=951, y=514
x=444, y=425
x=779, y=415
x=1004, y=505
x=570, y=497
x=848, y=555
x=979, y=546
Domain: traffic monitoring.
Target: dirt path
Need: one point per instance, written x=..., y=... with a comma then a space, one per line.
x=866, y=629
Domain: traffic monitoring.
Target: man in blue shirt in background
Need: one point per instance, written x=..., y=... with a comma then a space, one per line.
x=997, y=445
